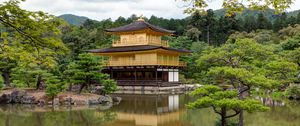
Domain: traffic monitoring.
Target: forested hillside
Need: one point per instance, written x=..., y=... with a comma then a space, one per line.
x=73, y=19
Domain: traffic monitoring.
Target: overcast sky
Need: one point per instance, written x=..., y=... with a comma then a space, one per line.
x=103, y=9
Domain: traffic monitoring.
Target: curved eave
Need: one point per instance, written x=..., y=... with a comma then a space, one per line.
x=131, y=49
x=137, y=26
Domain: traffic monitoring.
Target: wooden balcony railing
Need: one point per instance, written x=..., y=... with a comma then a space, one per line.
x=130, y=43
x=144, y=63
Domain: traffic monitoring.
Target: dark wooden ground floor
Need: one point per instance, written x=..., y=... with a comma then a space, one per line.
x=143, y=76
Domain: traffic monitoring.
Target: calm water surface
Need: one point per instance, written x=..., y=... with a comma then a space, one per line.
x=142, y=110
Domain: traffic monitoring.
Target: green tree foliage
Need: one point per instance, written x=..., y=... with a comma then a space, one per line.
x=8, y=56
x=86, y=70
x=261, y=36
x=109, y=86
x=291, y=43
x=243, y=65
x=233, y=6
x=54, y=86
x=225, y=103
x=293, y=92
x=263, y=22
x=298, y=18
x=249, y=24
x=280, y=22
x=32, y=33
x=211, y=29
x=1, y=83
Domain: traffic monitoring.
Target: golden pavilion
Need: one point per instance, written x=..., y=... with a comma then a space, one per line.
x=140, y=57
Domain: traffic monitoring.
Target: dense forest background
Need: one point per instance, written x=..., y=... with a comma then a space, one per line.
x=196, y=32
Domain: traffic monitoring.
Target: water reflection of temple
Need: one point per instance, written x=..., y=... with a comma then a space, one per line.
x=149, y=110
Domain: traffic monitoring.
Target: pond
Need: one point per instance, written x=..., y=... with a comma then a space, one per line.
x=143, y=110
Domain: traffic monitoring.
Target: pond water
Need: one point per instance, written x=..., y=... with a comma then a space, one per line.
x=143, y=110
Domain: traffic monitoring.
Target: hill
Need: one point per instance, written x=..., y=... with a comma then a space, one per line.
x=73, y=19
x=269, y=13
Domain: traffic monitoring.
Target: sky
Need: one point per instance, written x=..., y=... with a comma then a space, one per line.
x=104, y=9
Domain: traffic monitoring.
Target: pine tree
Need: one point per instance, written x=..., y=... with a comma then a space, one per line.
x=249, y=23
x=298, y=18
x=263, y=22
x=85, y=71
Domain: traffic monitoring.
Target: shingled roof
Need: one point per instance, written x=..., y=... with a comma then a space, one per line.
x=135, y=48
x=139, y=25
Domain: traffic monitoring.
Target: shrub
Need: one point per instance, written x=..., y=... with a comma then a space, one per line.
x=109, y=86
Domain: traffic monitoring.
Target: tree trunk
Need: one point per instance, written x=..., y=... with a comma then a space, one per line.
x=81, y=87
x=241, y=97
x=70, y=87
x=38, y=82
x=6, y=78
x=207, y=35
x=241, y=118
x=223, y=117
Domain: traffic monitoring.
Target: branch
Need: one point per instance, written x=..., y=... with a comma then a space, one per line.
x=216, y=111
x=22, y=33
x=236, y=113
x=247, y=89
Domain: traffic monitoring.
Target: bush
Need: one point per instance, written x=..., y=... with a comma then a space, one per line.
x=54, y=86
x=293, y=92
x=109, y=86
x=277, y=95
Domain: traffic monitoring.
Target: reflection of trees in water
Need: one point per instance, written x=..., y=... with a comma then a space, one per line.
x=13, y=116
x=287, y=115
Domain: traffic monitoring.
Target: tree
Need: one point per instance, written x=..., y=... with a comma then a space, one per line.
x=86, y=70
x=34, y=32
x=291, y=20
x=244, y=65
x=109, y=86
x=263, y=22
x=298, y=18
x=280, y=22
x=224, y=102
x=233, y=6
x=54, y=86
x=249, y=23
x=291, y=43
x=193, y=33
x=8, y=56
x=206, y=26
x=1, y=83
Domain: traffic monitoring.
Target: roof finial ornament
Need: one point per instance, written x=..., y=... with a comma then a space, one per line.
x=141, y=18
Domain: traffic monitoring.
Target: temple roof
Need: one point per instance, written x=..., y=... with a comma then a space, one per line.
x=139, y=25
x=135, y=48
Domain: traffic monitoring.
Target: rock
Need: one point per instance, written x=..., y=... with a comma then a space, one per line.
x=27, y=99
x=116, y=99
x=56, y=101
x=41, y=102
x=17, y=95
x=105, y=107
x=93, y=102
x=105, y=99
x=5, y=99
x=49, y=103
x=68, y=101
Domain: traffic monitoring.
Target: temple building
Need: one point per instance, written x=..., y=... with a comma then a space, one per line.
x=140, y=57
